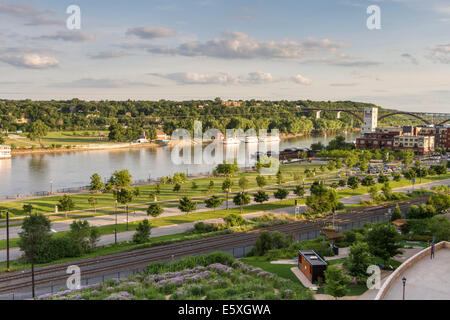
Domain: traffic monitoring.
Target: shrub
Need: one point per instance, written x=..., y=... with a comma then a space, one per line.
x=190, y=262
x=143, y=231
x=234, y=220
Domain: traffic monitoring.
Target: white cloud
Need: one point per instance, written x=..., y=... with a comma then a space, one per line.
x=343, y=60
x=237, y=45
x=439, y=53
x=301, y=80
x=36, y=17
x=73, y=36
x=258, y=77
x=150, y=32
x=103, y=83
x=198, y=78
x=31, y=61
x=410, y=58
x=108, y=54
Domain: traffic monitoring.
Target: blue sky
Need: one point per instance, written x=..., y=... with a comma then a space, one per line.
x=164, y=49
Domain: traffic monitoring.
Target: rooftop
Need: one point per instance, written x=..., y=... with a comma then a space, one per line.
x=313, y=258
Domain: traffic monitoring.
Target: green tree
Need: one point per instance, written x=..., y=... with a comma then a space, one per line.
x=368, y=181
x=396, y=214
x=143, y=231
x=154, y=210
x=94, y=236
x=387, y=190
x=66, y=203
x=213, y=202
x=299, y=191
x=177, y=188
x=281, y=193
x=383, y=241
x=79, y=232
x=243, y=183
x=336, y=283
x=37, y=130
x=241, y=199
x=358, y=260
x=407, y=157
x=261, y=181
x=35, y=237
x=93, y=202
x=322, y=199
x=120, y=179
x=373, y=191
x=124, y=196
x=227, y=184
x=187, y=205
x=260, y=196
x=96, y=183
x=116, y=132
x=280, y=178
x=210, y=186
x=353, y=182
x=27, y=208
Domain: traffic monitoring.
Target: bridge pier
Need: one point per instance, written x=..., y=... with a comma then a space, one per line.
x=318, y=114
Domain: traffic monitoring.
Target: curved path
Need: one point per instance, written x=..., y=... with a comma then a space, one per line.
x=427, y=279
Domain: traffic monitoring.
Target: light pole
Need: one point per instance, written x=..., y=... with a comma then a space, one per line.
x=115, y=226
x=7, y=240
x=404, y=283
x=32, y=266
x=51, y=186
x=127, y=216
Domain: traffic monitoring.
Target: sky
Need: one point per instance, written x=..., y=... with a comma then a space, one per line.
x=248, y=49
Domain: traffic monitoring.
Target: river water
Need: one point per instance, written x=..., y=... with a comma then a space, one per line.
x=29, y=173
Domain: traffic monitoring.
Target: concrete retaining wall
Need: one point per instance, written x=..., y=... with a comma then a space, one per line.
x=406, y=265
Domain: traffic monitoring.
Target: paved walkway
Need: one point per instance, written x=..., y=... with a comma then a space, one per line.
x=427, y=279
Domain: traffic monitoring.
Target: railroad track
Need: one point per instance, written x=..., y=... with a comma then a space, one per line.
x=120, y=261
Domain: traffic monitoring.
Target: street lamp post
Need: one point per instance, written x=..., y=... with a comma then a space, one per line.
x=115, y=226
x=32, y=267
x=7, y=240
x=51, y=186
x=404, y=283
x=127, y=216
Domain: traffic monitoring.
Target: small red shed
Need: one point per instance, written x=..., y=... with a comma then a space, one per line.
x=311, y=264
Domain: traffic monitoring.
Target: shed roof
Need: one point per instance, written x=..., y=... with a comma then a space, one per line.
x=313, y=258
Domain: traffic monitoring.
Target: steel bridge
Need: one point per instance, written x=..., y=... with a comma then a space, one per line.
x=425, y=117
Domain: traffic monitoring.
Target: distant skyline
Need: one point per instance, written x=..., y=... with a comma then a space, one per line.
x=248, y=49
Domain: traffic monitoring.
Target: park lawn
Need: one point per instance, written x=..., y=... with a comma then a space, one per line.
x=68, y=138
x=282, y=270
x=179, y=219
x=394, y=184
x=47, y=204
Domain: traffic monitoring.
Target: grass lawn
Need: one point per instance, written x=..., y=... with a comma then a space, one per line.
x=282, y=270
x=47, y=204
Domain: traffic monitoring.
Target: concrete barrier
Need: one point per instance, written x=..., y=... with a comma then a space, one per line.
x=406, y=265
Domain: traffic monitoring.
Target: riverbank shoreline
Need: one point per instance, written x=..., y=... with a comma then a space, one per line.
x=91, y=148
x=126, y=146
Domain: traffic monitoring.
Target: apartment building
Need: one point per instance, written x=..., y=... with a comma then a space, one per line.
x=419, y=144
